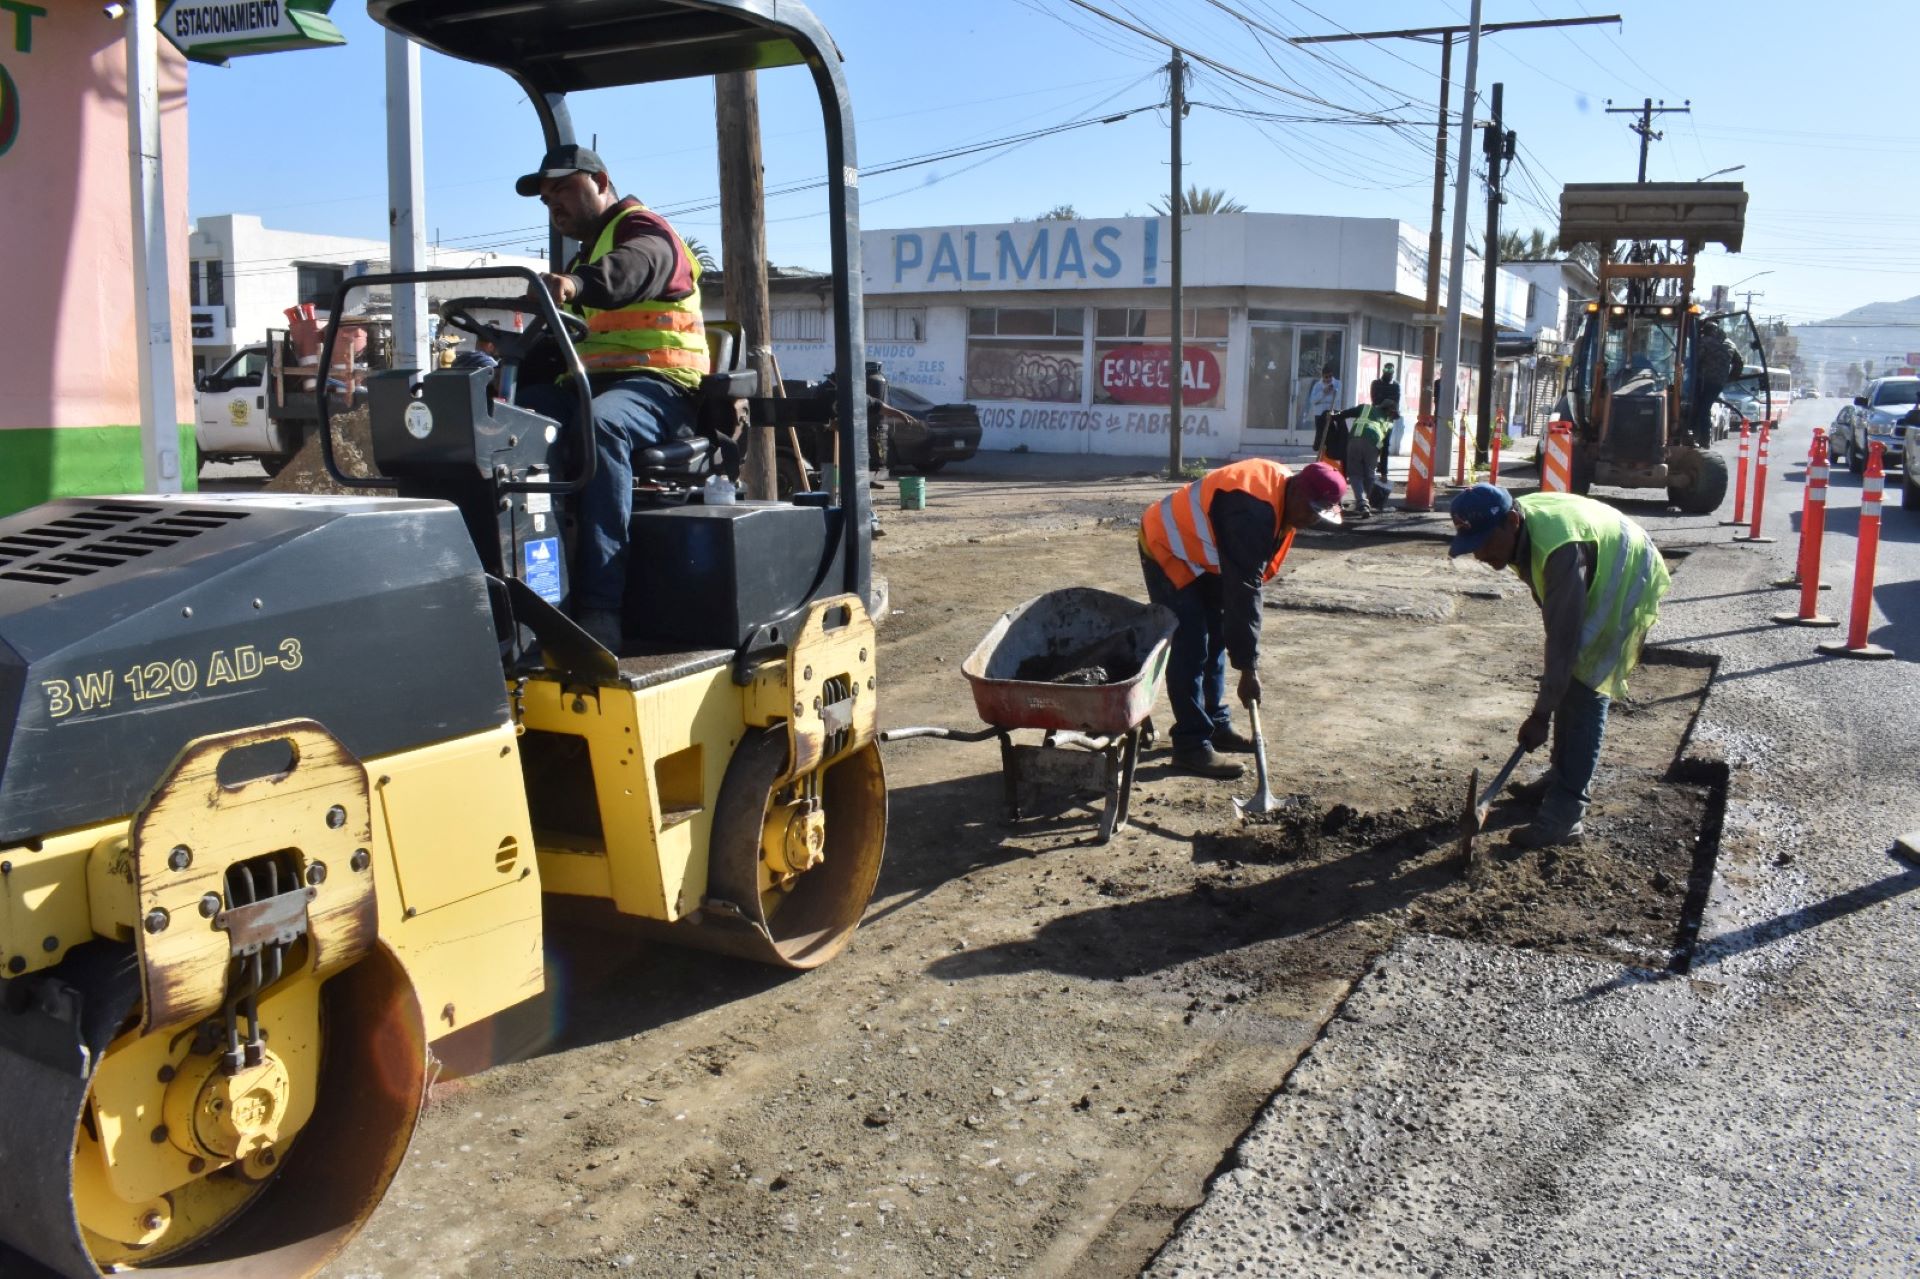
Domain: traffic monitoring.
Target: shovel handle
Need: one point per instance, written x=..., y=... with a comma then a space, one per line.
x=1499, y=780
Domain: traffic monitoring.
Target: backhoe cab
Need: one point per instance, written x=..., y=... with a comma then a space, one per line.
x=285, y=779
x=1636, y=392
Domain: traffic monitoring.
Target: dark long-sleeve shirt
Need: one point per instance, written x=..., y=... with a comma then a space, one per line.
x=1244, y=532
x=640, y=267
x=1567, y=575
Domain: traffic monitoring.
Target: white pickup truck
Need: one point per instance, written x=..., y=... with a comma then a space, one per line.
x=231, y=420
x=260, y=403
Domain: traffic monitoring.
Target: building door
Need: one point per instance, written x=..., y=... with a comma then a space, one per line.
x=1317, y=348
x=1269, y=383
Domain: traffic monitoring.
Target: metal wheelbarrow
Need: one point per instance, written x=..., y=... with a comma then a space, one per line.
x=1083, y=667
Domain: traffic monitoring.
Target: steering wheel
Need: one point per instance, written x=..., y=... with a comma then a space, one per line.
x=511, y=346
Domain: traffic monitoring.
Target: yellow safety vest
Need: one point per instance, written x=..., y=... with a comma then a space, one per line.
x=1629, y=579
x=665, y=338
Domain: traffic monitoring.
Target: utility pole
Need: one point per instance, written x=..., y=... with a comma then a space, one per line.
x=1430, y=339
x=1644, y=125
x=1430, y=333
x=1750, y=295
x=406, y=203
x=1498, y=149
x=152, y=294
x=1457, y=268
x=1176, y=358
x=743, y=248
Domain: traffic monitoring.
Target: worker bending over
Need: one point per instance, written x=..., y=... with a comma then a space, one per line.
x=638, y=288
x=1598, y=579
x=1205, y=551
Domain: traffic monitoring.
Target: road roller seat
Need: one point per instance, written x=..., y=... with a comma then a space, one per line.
x=710, y=446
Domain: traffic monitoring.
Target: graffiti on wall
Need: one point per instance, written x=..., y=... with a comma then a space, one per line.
x=1019, y=373
x=23, y=15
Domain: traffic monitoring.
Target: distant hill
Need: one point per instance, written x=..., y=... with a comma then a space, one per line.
x=1871, y=335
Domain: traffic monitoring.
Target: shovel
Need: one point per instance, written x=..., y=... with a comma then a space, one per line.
x=1262, y=800
x=1474, y=815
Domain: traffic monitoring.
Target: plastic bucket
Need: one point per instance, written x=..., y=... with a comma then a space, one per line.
x=913, y=492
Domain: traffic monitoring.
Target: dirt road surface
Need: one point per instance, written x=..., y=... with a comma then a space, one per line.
x=1038, y=1050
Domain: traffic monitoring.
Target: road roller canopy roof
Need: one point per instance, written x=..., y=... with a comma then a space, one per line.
x=565, y=46
x=1701, y=213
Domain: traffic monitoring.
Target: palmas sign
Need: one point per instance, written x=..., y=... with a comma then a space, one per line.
x=215, y=30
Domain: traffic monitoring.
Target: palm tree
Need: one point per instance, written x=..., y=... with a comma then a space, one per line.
x=1198, y=200
x=1516, y=247
x=703, y=255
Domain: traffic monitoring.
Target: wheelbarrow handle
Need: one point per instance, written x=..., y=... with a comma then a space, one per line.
x=946, y=734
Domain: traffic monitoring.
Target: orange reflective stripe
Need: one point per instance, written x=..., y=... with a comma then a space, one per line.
x=660, y=321
x=655, y=358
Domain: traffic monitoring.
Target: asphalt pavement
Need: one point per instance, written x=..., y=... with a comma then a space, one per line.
x=1473, y=1110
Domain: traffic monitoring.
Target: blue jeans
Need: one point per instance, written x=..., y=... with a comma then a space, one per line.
x=1579, y=728
x=1197, y=660
x=631, y=414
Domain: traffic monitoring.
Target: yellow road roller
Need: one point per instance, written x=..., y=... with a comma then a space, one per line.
x=284, y=779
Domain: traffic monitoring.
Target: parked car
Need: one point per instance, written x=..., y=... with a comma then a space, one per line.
x=924, y=436
x=1877, y=415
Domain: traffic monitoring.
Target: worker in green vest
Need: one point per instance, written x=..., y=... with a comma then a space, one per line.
x=1598, y=579
x=1366, y=442
x=638, y=288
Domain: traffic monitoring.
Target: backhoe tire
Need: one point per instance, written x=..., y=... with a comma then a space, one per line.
x=1699, y=482
x=1581, y=468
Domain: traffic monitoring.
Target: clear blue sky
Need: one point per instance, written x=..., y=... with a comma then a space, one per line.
x=1822, y=124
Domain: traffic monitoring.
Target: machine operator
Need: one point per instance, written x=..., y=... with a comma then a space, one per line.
x=638, y=288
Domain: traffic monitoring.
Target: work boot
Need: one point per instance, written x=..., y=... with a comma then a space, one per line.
x=1534, y=791
x=1546, y=830
x=1231, y=741
x=603, y=624
x=1202, y=761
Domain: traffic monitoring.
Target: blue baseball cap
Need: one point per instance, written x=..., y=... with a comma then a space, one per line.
x=1477, y=512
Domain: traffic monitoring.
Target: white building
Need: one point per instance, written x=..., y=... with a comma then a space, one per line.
x=243, y=275
x=1057, y=330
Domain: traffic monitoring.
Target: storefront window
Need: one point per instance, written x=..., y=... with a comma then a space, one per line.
x=896, y=324
x=1133, y=357
x=792, y=324
x=1026, y=353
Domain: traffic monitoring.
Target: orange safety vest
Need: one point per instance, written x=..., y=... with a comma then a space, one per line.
x=1178, y=532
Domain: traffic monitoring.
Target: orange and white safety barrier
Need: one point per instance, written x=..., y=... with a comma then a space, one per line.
x=1493, y=463
x=1752, y=535
x=1856, y=644
x=1556, y=460
x=1420, y=468
x=1813, y=523
x=1740, y=475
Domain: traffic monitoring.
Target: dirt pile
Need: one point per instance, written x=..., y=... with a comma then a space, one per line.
x=1619, y=894
x=353, y=445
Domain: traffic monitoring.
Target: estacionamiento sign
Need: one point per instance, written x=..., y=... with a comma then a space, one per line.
x=215, y=30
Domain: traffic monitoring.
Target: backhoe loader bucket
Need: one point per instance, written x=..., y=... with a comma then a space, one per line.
x=1701, y=213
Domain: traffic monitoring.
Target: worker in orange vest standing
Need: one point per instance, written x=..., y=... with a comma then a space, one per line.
x=1206, y=550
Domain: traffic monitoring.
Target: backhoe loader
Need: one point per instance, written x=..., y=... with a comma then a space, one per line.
x=1633, y=391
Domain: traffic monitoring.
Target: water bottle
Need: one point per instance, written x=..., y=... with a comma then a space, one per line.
x=719, y=491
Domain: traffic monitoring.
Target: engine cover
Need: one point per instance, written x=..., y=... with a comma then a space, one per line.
x=131, y=625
